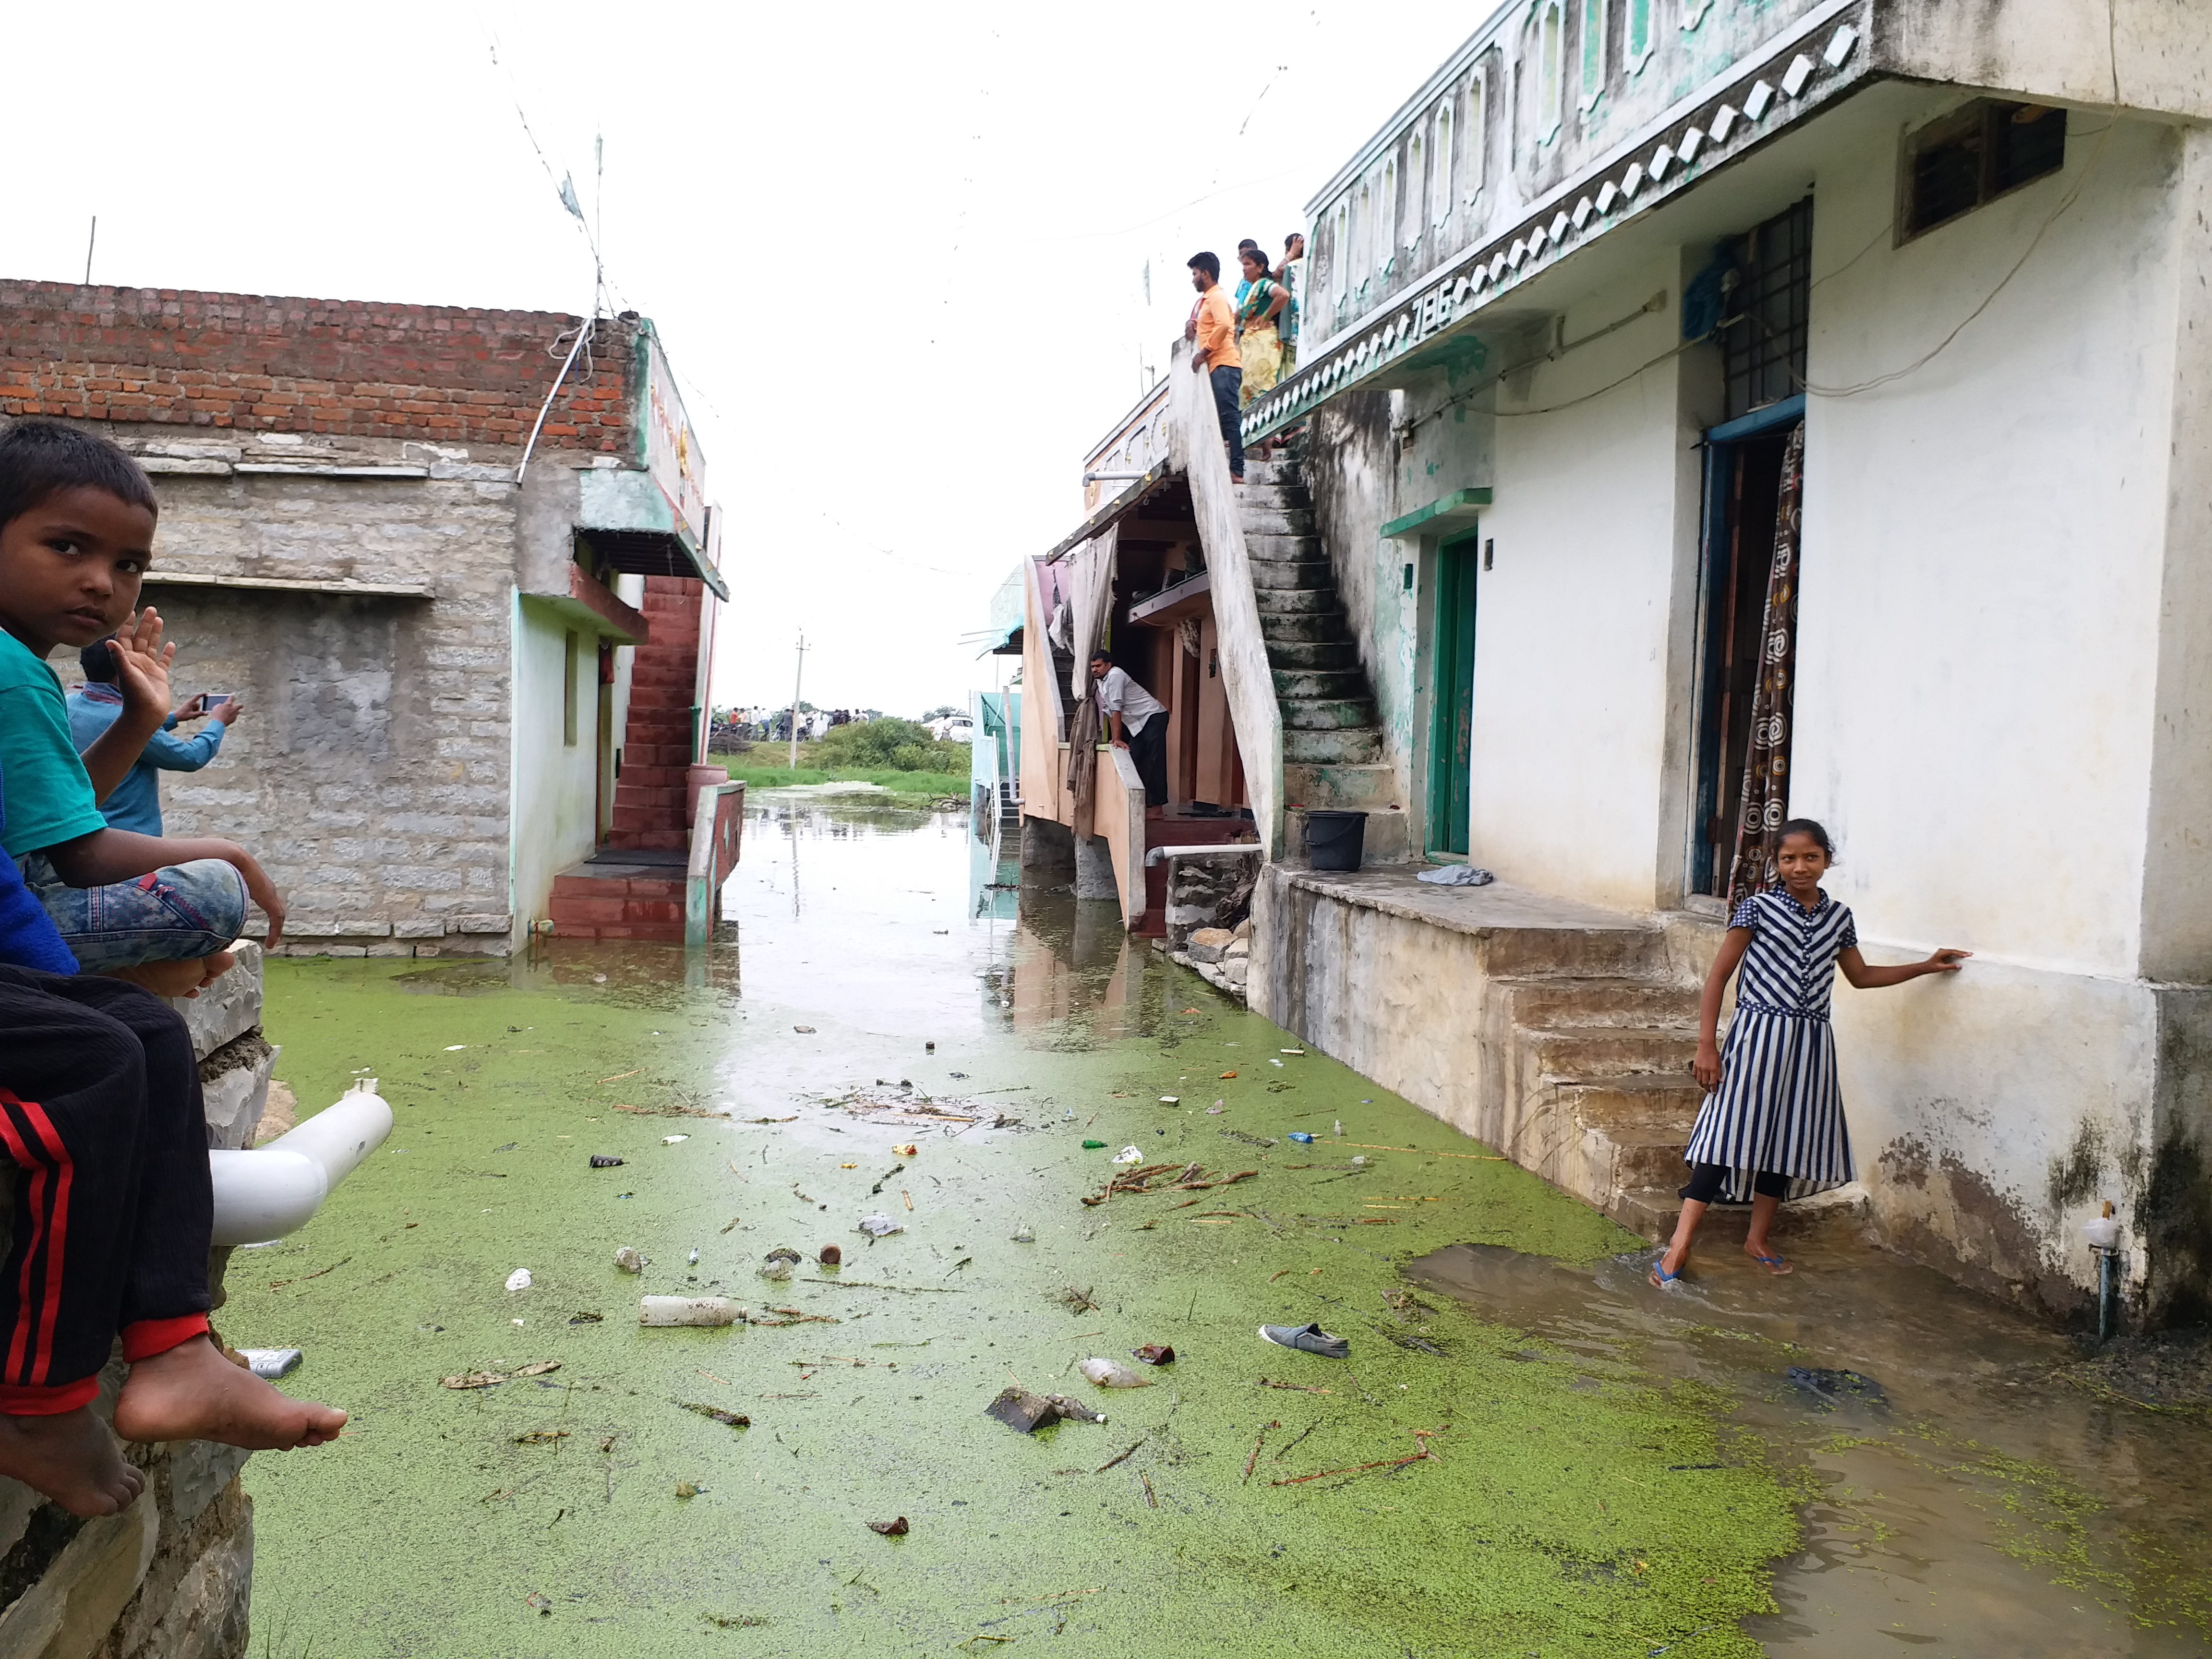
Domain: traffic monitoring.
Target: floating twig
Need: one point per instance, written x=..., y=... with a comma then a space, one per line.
x=1151, y=1497
x=1256, y=1444
x=1111, y=1462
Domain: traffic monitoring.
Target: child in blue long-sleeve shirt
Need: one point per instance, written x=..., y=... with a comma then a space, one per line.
x=135, y=803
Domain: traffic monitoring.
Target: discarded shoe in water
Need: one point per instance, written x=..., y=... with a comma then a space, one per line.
x=605, y=1161
x=1155, y=1353
x=628, y=1259
x=891, y=1528
x=1307, y=1339
x=1105, y=1373
x=269, y=1364
x=686, y=1310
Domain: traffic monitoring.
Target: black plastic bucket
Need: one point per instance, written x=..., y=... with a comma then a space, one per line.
x=1336, y=841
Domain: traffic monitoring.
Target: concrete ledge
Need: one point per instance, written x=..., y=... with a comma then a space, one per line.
x=1395, y=891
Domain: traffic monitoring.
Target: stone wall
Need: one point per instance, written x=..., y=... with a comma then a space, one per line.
x=170, y=1577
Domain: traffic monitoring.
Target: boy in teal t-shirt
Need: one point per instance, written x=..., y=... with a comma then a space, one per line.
x=76, y=530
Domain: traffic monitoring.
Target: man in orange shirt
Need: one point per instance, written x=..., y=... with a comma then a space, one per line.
x=1213, y=330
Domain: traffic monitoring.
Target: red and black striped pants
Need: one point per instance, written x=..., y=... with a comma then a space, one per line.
x=104, y=1132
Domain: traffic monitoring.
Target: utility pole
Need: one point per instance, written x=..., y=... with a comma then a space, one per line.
x=799, y=675
x=93, y=237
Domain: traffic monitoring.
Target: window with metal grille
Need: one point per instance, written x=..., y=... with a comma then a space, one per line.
x=1974, y=155
x=1763, y=329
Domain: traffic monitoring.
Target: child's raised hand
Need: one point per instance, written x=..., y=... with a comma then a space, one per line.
x=1945, y=962
x=142, y=665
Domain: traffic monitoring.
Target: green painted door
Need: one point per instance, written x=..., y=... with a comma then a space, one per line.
x=1451, y=691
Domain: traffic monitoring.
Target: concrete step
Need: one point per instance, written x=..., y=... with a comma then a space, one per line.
x=1357, y=746
x=1286, y=573
x=1326, y=714
x=1559, y=1004
x=1277, y=521
x=570, y=885
x=1353, y=787
x=1295, y=601
x=1590, y=1054
x=1276, y=497
x=1278, y=630
x=1269, y=474
x=1320, y=683
x=1652, y=1100
x=1315, y=656
x=657, y=840
x=1644, y=1157
x=616, y=910
x=1276, y=550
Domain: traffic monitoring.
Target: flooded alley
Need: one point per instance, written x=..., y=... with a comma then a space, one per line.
x=1527, y=1451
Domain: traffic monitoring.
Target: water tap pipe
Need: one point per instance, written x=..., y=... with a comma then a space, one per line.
x=273, y=1190
x=2103, y=1233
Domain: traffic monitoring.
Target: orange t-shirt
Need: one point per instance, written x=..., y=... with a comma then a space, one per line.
x=1217, y=331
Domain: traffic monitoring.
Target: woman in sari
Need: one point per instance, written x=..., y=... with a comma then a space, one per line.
x=1258, y=341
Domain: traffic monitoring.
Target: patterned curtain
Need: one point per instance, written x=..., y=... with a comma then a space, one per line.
x=1765, y=803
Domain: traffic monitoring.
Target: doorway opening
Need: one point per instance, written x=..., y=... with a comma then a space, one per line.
x=1451, y=697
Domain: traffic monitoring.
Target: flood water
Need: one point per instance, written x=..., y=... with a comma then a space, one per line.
x=1609, y=1470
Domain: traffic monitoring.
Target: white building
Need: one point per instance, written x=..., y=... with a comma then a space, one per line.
x=1565, y=311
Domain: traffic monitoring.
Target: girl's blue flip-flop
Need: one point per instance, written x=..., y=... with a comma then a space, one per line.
x=1660, y=1278
x=1776, y=1265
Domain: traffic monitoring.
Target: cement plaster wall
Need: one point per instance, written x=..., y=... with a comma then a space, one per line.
x=556, y=782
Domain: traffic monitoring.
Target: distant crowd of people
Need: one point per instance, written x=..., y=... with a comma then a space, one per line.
x=765, y=725
x=1245, y=344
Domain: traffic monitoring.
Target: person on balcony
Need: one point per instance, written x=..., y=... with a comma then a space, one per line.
x=1259, y=340
x=1289, y=276
x=1213, y=330
x=1135, y=720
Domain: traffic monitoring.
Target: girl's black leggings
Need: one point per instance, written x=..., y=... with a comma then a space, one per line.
x=1706, y=1180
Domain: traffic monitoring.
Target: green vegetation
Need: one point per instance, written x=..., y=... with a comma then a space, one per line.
x=893, y=754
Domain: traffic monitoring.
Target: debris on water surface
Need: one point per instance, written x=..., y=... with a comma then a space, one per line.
x=804, y=1030
x=519, y=1279
x=728, y=1419
x=538, y=1605
x=1301, y=1136
x=541, y=1437
x=1340, y=1125
x=586, y=1318
x=1171, y=1100
x=1359, y=1161
x=1104, y=1373
x=1155, y=1353
x=1023, y=1233
x=831, y=1255
x=671, y=1140
x=605, y=1161
x=1092, y=1145
x=543, y=1367
x=879, y=1226
x=909, y=1150
x=685, y=1489
x=628, y=1259
x=1128, y=1155
x=891, y=1528
x=491, y=1379
x=1018, y=1408
x=269, y=1364
x=1832, y=1387
x=1073, y=1300
x=662, y=1310
x=776, y=1267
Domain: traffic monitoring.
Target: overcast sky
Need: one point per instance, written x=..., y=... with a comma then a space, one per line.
x=897, y=254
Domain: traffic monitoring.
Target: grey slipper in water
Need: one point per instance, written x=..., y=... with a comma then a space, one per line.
x=1307, y=1339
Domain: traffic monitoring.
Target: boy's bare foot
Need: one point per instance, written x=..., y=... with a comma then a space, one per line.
x=177, y=979
x=72, y=1459
x=192, y=1392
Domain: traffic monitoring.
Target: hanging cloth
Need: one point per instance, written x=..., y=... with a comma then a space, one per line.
x=1765, y=803
x=1093, y=581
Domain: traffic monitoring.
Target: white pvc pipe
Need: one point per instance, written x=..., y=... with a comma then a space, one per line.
x=1226, y=849
x=273, y=1190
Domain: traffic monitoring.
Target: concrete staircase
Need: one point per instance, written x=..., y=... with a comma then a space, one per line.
x=1332, y=738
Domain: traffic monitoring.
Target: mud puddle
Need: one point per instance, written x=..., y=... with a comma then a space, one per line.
x=1964, y=1494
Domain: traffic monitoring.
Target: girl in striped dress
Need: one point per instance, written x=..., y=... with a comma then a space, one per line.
x=1771, y=1126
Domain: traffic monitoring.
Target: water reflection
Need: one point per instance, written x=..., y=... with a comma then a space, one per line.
x=1978, y=1503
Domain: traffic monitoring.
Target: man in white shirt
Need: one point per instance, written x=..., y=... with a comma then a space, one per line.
x=1135, y=720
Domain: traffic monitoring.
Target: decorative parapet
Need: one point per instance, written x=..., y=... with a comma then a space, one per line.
x=1806, y=68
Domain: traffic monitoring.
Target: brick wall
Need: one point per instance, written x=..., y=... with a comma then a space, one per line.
x=338, y=367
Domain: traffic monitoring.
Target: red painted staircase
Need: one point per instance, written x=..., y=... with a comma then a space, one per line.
x=632, y=887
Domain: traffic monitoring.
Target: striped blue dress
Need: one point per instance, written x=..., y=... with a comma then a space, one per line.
x=1778, y=1108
